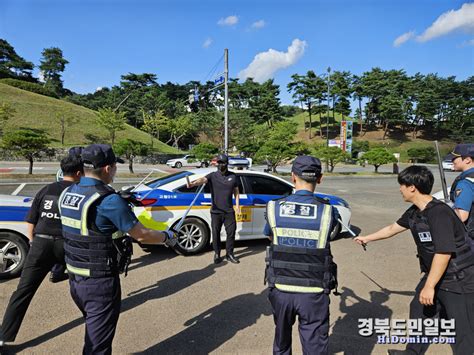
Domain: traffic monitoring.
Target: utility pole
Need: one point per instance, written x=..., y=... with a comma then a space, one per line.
x=226, y=101
x=327, y=116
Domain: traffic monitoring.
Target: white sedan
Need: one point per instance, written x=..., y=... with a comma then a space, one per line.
x=167, y=198
x=13, y=241
x=186, y=161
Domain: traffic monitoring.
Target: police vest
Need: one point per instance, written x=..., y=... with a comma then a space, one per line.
x=452, y=195
x=88, y=252
x=420, y=229
x=299, y=259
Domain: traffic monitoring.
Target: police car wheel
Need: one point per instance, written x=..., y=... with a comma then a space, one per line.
x=13, y=251
x=193, y=236
x=178, y=165
x=335, y=232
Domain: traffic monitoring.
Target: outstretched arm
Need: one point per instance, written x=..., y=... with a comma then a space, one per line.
x=384, y=233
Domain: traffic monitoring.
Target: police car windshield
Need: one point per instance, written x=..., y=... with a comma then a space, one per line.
x=167, y=179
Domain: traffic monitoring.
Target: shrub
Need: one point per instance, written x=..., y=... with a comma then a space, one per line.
x=28, y=86
x=422, y=154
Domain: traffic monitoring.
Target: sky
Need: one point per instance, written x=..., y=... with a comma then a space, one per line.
x=183, y=40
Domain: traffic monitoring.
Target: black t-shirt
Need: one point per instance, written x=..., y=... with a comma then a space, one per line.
x=444, y=226
x=222, y=187
x=44, y=211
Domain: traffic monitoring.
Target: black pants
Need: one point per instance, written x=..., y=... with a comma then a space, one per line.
x=230, y=225
x=312, y=310
x=99, y=301
x=448, y=305
x=43, y=254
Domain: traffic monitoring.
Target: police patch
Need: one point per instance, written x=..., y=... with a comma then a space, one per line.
x=72, y=201
x=297, y=210
x=425, y=236
x=458, y=192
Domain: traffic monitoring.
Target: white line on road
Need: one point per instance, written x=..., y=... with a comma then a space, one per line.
x=18, y=189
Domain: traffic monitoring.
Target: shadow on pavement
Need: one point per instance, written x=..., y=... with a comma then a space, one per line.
x=209, y=330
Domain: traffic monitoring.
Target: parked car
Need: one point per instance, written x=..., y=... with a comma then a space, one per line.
x=186, y=161
x=14, y=243
x=166, y=199
x=447, y=165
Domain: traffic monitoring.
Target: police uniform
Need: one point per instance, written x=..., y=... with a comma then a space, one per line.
x=300, y=269
x=462, y=189
x=437, y=229
x=93, y=217
x=46, y=250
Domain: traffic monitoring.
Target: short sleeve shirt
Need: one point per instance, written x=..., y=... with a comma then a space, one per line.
x=222, y=188
x=444, y=226
x=113, y=212
x=464, y=194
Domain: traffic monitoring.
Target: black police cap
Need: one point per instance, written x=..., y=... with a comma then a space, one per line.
x=99, y=155
x=222, y=158
x=462, y=150
x=307, y=167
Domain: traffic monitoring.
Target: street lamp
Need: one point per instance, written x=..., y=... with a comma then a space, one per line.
x=327, y=115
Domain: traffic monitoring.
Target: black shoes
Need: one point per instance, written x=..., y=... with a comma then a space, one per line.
x=232, y=259
x=58, y=278
x=217, y=258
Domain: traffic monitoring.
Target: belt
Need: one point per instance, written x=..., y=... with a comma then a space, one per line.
x=47, y=236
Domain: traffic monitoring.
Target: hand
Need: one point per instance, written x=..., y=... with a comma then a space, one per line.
x=171, y=238
x=238, y=210
x=361, y=240
x=427, y=296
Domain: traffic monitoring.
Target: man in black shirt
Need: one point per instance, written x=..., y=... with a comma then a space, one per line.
x=223, y=185
x=46, y=250
x=445, y=256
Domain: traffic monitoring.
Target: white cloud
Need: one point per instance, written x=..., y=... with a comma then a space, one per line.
x=258, y=24
x=207, y=43
x=403, y=38
x=228, y=21
x=266, y=64
x=41, y=76
x=98, y=88
x=453, y=20
x=468, y=43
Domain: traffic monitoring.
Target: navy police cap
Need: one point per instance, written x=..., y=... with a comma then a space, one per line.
x=462, y=150
x=99, y=155
x=307, y=167
x=222, y=158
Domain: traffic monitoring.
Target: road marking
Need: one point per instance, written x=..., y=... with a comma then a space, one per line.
x=18, y=189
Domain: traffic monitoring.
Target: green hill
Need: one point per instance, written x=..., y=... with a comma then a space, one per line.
x=396, y=142
x=41, y=112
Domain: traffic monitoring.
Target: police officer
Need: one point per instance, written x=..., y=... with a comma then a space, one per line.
x=223, y=184
x=300, y=269
x=94, y=219
x=45, y=234
x=462, y=189
x=445, y=256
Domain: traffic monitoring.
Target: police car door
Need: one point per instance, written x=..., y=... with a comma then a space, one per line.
x=262, y=189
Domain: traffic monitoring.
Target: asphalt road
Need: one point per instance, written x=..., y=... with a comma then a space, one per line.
x=180, y=305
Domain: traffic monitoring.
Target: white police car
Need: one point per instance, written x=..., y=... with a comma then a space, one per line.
x=13, y=229
x=167, y=198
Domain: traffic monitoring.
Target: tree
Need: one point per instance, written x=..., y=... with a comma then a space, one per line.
x=52, y=65
x=377, y=157
x=65, y=121
x=112, y=121
x=332, y=156
x=204, y=151
x=11, y=64
x=27, y=143
x=6, y=112
x=153, y=124
x=421, y=154
x=130, y=149
x=178, y=128
x=278, y=145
